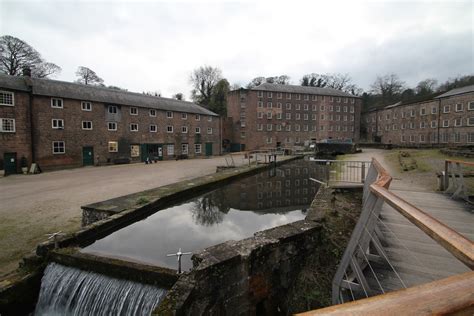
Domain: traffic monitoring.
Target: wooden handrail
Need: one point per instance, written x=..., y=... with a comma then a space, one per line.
x=384, y=179
x=458, y=245
x=467, y=163
x=445, y=296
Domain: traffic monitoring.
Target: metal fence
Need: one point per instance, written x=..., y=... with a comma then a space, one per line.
x=344, y=172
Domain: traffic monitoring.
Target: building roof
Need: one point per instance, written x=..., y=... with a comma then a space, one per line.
x=62, y=89
x=302, y=89
x=456, y=91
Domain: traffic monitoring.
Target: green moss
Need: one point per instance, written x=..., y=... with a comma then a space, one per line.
x=143, y=200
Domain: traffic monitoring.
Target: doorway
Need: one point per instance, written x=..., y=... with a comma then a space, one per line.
x=88, y=156
x=9, y=162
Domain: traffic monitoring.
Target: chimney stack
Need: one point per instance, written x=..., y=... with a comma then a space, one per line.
x=27, y=71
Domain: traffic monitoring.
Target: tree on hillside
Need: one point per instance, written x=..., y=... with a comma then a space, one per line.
x=218, y=102
x=178, y=96
x=336, y=81
x=88, y=76
x=458, y=82
x=389, y=87
x=282, y=79
x=16, y=55
x=204, y=80
x=426, y=87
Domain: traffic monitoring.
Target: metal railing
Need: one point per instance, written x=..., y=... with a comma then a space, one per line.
x=344, y=172
x=455, y=174
x=356, y=285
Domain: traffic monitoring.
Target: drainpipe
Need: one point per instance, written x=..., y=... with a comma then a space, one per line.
x=29, y=83
x=439, y=118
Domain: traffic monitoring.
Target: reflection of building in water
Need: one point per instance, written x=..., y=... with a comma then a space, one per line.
x=283, y=189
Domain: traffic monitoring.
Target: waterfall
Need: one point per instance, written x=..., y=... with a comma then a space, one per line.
x=70, y=291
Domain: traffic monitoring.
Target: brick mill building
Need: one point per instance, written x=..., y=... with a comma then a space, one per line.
x=446, y=119
x=284, y=116
x=61, y=124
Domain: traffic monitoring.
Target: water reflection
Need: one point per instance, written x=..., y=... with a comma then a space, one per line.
x=233, y=212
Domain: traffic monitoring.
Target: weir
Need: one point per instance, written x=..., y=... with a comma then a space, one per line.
x=70, y=291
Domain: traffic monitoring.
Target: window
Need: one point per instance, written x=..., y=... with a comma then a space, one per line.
x=184, y=149
x=169, y=129
x=6, y=98
x=170, y=150
x=470, y=137
x=209, y=118
x=133, y=127
x=134, y=150
x=279, y=105
x=288, y=128
x=197, y=130
x=57, y=123
x=434, y=110
x=209, y=130
x=152, y=112
x=56, y=103
x=269, y=95
x=459, y=107
x=288, y=116
x=86, y=106
x=112, y=126
x=269, y=127
x=422, y=111
x=297, y=116
x=269, y=105
x=394, y=127
x=279, y=116
x=470, y=121
x=353, y=100
x=184, y=129
x=412, y=113
x=298, y=97
x=434, y=124
x=422, y=138
x=338, y=100
x=288, y=106
x=457, y=137
x=278, y=128
x=298, y=106
x=297, y=127
x=305, y=128
x=260, y=115
x=314, y=107
x=133, y=111
x=322, y=108
x=59, y=147
x=470, y=106
x=260, y=127
x=412, y=125
x=306, y=97
x=445, y=123
x=269, y=140
x=458, y=122
x=403, y=126
x=422, y=124
x=260, y=104
x=260, y=94
x=321, y=128
x=313, y=117
x=305, y=117
x=345, y=108
x=198, y=117
x=197, y=148
x=305, y=107
x=446, y=109
x=87, y=125
x=169, y=114
x=322, y=117
x=184, y=116
x=338, y=108
x=279, y=95
x=153, y=128
x=314, y=98
x=412, y=138
x=112, y=109
x=403, y=139
x=288, y=96
x=403, y=115
x=242, y=134
x=8, y=125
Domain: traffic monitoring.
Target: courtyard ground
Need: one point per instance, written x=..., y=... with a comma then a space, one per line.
x=35, y=205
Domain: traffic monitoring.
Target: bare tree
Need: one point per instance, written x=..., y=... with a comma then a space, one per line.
x=88, y=76
x=388, y=87
x=282, y=79
x=204, y=80
x=426, y=87
x=337, y=81
x=15, y=55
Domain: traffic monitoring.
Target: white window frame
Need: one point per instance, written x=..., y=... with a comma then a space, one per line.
x=4, y=98
x=445, y=123
x=12, y=120
x=456, y=120
x=58, y=142
x=113, y=129
x=170, y=149
x=169, y=114
x=55, y=125
x=447, y=108
x=133, y=110
x=153, y=128
x=434, y=110
x=169, y=129
x=470, y=106
x=86, y=106
x=197, y=130
x=209, y=130
x=198, y=148
x=197, y=117
x=55, y=102
x=87, y=128
x=184, y=149
x=112, y=146
x=132, y=125
x=470, y=121
x=112, y=109
x=456, y=107
x=184, y=116
x=152, y=112
x=184, y=129
x=434, y=124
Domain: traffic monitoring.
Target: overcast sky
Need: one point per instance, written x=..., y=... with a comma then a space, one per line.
x=154, y=46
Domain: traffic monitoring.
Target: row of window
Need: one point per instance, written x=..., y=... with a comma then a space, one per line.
x=279, y=116
x=314, y=107
x=306, y=97
x=59, y=147
x=458, y=122
x=444, y=138
x=113, y=109
x=304, y=128
x=459, y=107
